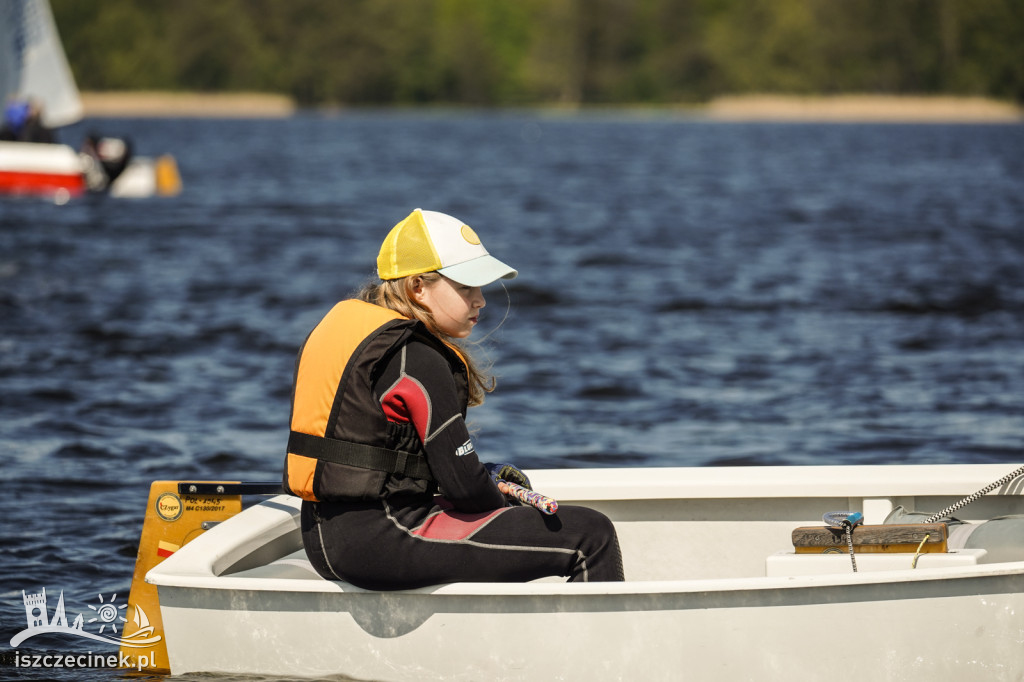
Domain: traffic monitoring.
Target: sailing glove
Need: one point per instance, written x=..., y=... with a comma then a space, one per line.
x=509, y=473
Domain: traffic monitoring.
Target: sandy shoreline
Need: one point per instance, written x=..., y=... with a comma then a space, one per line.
x=865, y=108
x=187, y=104
x=839, y=108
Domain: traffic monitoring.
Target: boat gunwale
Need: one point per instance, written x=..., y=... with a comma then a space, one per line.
x=638, y=587
x=829, y=481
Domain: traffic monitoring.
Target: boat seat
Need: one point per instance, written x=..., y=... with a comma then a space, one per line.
x=790, y=564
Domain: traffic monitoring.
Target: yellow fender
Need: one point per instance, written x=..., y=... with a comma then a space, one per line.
x=168, y=179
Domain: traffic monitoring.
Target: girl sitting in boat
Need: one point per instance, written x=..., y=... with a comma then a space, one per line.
x=395, y=496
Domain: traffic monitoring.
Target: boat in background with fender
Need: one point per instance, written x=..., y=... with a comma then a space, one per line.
x=731, y=574
x=39, y=95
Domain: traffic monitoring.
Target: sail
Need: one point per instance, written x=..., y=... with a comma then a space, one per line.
x=32, y=61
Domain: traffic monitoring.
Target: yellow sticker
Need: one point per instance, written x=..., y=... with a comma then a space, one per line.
x=169, y=507
x=469, y=235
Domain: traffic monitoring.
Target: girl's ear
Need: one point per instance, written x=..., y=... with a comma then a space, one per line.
x=416, y=289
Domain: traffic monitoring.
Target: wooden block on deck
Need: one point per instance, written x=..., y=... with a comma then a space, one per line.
x=870, y=539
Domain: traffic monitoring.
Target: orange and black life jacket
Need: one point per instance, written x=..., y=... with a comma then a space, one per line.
x=342, y=447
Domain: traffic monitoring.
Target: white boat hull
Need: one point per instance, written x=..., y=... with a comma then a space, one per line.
x=967, y=627
x=710, y=594
x=58, y=172
x=49, y=170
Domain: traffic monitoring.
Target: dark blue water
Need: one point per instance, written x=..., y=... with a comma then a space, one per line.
x=690, y=294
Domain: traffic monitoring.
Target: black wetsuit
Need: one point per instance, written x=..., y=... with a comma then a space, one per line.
x=467, y=533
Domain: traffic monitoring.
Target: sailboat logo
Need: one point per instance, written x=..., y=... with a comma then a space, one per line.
x=107, y=615
x=143, y=635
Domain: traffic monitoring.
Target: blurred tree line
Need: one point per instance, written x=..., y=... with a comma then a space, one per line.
x=519, y=52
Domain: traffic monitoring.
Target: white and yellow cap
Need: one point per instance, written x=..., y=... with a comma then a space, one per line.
x=427, y=241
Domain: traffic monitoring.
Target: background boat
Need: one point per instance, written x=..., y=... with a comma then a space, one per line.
x=35, y=71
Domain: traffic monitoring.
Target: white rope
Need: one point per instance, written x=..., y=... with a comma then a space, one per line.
x=971, y=498
x=849, y=543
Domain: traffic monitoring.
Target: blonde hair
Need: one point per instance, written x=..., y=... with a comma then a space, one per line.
x=397, y=295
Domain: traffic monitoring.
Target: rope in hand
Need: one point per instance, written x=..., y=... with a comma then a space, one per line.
x=971, y=498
